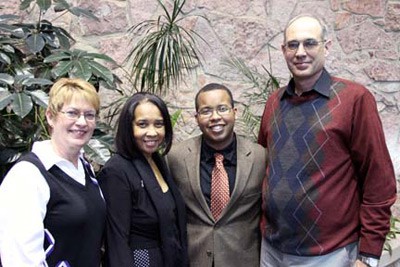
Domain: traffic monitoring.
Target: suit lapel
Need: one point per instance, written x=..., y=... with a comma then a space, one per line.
x=243, y=169
x=149, y=180
x=192, y=163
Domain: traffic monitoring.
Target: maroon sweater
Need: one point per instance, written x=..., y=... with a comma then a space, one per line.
x=330, y=180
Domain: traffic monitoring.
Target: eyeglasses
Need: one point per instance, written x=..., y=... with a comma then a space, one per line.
x=308, y=44
x=75, y=115
x=221, y=110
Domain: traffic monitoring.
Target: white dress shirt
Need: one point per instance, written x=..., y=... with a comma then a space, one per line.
x=24, y=195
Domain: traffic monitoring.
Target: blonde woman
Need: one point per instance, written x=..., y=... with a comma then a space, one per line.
x=52, y=212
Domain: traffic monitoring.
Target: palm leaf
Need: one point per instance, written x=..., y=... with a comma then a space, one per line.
x=165, y=53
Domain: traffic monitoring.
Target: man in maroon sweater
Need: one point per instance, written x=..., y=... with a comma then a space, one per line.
x=330, y=181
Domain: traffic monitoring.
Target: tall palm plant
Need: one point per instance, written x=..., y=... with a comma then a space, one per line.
x=166, y=52
x=263, y=84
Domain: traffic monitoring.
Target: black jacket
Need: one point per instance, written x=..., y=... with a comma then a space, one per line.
x=138, y=216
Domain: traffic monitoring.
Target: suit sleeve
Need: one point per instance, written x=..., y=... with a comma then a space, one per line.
x=375, y=173
x=116, y=188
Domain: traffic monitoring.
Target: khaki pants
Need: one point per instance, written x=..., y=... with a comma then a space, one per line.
x=342, y=257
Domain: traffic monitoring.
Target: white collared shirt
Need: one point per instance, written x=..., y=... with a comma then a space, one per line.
x=24, y=194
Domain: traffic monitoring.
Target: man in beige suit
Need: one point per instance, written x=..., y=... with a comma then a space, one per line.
x=230, y=237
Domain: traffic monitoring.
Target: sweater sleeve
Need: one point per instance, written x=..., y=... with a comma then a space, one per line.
x=115, y=186
x=269, y=108
x=375, y=173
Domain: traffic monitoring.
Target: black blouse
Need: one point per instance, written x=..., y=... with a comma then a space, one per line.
x=145, y=226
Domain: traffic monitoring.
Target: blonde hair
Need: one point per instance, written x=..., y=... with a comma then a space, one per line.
x=65, y=89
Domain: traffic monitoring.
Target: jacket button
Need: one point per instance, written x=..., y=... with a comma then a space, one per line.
x=209, y=253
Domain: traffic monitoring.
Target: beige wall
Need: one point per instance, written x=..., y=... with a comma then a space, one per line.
x=365, y=34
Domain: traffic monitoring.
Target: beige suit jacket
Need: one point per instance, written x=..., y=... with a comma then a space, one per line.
x=234, y=239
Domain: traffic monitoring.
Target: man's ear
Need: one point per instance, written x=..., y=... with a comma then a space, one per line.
x=283, y=48
x=327, y=46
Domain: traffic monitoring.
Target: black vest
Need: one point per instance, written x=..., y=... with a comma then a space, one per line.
x=74, y=220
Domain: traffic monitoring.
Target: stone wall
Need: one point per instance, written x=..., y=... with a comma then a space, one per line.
x=365, y=34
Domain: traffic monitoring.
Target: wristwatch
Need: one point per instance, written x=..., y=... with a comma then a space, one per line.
x=369, y=261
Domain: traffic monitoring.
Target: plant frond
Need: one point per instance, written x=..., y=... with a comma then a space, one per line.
x=165, y=53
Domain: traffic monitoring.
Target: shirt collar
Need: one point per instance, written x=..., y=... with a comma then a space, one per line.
x=322, y=86
x=228, y=152
x=45, y=151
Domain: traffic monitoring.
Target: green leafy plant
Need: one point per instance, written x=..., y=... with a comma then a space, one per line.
x=166, y=52
x=260, y=86
x=393, y=234
x=32, y=56
x=79, y=63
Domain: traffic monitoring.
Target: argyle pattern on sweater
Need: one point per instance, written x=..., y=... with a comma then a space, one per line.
x=298, y=147
x=327, y=162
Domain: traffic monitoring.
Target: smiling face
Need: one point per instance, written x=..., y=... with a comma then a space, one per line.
x=148, y=128
x=217, y=129
x=70, y=135
x=305, y=65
